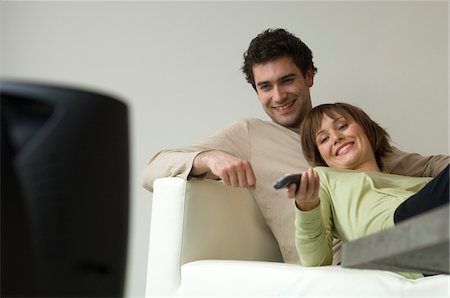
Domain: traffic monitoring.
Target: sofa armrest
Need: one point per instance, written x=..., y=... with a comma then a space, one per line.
x=202, y=219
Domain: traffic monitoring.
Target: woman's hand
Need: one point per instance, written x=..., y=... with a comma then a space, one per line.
x=307, y=196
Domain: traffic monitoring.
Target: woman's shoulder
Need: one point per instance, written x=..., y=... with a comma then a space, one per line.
x=334, y=175
x=324, y=169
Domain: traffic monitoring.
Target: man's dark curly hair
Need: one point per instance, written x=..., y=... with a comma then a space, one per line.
x=272, y=44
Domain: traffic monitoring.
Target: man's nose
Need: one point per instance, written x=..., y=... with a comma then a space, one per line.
x=278, y=93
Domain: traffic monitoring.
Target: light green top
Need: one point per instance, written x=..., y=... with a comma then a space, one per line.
x=352, y=205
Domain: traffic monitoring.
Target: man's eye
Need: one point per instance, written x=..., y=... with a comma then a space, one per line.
x=264, y=87
x=288, y=81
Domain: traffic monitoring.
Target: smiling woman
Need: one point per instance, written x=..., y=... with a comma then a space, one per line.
x=330, y=128
x=347, y=196
x=343, y=144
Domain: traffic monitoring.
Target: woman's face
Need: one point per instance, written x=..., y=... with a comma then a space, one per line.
x=343, y=144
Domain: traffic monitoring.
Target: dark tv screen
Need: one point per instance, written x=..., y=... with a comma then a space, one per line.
x=64, y=191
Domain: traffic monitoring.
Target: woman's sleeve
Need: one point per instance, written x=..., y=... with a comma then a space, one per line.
x=313, y=236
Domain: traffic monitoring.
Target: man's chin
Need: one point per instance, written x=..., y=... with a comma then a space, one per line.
x=287, y=122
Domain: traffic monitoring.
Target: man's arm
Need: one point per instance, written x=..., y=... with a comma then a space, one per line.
x=232, y=170
x=216, y=157
x=413, y=164
x=168, y=163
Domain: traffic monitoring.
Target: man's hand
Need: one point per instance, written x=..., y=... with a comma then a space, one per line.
x=307, y=197
x=233, y=170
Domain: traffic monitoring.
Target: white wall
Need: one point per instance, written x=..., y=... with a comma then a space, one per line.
x=177, y=65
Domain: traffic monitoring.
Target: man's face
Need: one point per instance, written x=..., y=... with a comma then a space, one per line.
x=283, y=91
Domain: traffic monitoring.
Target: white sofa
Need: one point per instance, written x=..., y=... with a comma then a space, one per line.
x=208, y=240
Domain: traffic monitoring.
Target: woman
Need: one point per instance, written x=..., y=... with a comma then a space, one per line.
x=346, y=195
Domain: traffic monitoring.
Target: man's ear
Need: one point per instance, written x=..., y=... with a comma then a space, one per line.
x=310, y=77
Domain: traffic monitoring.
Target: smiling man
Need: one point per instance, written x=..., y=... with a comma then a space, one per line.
x=283, y=90
x=254, y=153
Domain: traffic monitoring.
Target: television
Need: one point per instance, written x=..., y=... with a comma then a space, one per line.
x=64, y=191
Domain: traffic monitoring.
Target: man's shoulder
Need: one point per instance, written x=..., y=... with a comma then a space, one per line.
x=261, y=132
x=260, y=124
x=248, y=124
x=254, y=121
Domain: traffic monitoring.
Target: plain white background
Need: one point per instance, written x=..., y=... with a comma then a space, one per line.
x=177, y=66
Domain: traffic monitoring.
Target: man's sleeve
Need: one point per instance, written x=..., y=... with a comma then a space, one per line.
x=178, y=162
x=413, y=164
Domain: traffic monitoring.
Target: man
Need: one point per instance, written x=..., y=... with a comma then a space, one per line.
x=254, y=153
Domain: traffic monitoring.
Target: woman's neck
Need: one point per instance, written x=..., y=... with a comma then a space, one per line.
x=368, y=166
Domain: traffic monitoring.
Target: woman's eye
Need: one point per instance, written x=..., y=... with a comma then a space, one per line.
x=323, y=140
x=343, y=126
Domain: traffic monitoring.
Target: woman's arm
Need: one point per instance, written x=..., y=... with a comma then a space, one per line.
x=313, y=221
x=313, y=237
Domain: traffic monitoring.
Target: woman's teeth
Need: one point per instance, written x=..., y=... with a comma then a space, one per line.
x=343, y=149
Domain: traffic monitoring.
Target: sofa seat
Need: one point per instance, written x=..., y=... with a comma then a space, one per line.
x=208, y=240
x=230, y=278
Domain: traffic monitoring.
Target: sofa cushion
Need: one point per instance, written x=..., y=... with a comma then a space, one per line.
x=271, y=279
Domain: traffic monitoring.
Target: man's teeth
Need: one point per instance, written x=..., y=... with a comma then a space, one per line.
x=283, y=107
x=344, y=149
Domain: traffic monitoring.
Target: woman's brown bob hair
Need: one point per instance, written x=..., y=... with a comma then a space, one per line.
x=378, y=137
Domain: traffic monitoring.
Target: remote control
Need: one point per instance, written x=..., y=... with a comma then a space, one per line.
x=287, y=180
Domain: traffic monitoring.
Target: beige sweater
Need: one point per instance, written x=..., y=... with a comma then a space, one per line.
x=273, y=151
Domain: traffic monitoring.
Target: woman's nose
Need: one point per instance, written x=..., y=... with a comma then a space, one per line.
x=337, y=138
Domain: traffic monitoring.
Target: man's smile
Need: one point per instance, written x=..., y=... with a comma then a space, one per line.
x=284, y=107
